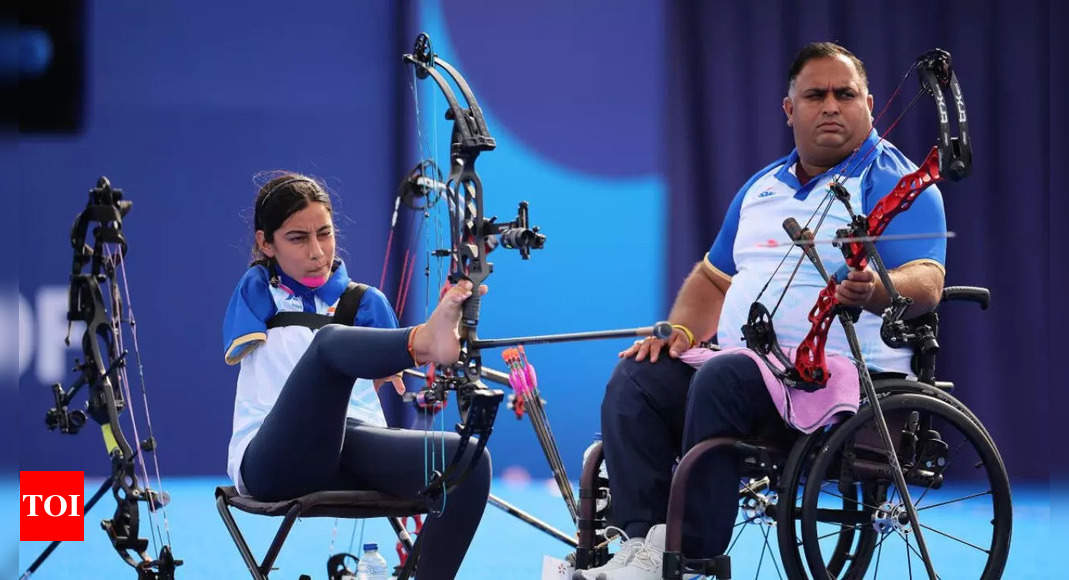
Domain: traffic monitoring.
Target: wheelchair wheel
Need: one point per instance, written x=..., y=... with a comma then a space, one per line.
x=853, y=523
x=852, y=544
x=788, y=524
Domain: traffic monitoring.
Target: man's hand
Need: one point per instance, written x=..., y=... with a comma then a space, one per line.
x=651, y=347
x=857, y=289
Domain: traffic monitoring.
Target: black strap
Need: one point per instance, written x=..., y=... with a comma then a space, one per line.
x=306, y=319
x=349, y=303
x=344, y=312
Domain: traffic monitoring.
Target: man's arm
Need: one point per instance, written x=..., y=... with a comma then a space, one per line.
x=699, y=301
x=921, y=280
x=697, y=307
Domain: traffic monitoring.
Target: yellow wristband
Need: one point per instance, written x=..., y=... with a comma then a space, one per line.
x=687, y=332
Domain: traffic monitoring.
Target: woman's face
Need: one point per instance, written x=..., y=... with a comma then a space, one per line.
x=303, y=245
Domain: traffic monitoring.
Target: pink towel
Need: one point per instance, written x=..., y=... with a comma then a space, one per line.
x=802, y=410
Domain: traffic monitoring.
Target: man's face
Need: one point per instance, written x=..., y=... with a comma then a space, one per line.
x=830, y=110
x=304, y=244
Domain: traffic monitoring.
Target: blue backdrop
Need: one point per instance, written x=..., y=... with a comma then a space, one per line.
x=181, y=111
x=596, y=126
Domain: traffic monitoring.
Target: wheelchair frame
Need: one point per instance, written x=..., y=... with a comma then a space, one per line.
x=770, y=467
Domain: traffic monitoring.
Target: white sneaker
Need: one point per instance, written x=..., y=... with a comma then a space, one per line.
x=619, y=559
x=645, y=563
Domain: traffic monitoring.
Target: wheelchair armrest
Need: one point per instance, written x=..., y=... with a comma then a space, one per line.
x=981, y=296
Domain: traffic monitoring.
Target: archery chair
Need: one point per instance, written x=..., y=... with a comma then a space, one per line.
x=320, y=504
x=837, y=477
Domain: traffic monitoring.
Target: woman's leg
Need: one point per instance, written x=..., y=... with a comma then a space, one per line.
x=296, y=449
x=392, y=461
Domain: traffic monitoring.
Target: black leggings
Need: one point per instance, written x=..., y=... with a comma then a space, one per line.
x=306, y=444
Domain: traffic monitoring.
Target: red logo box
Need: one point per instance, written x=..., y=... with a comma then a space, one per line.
x=51, y=506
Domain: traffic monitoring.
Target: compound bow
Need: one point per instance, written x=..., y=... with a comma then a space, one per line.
x=472, y=237
x=96, y=300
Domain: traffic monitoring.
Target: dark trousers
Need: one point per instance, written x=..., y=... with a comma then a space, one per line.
x=653, y=413
x=306, y=444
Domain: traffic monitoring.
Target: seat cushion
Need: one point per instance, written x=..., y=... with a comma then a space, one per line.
x=335, y=503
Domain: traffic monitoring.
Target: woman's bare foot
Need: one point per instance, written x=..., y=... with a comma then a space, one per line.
x=438, y=340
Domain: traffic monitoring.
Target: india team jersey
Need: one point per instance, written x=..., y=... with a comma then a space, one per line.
x=268, y=356
x=752, y=242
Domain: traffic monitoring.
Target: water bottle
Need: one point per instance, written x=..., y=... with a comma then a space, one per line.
x=372, y=565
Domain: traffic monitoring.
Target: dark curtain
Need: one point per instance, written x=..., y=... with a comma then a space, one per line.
x=727, y=67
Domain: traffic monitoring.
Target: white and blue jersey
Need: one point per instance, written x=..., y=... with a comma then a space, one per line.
x=268, y=356
x=742, y=251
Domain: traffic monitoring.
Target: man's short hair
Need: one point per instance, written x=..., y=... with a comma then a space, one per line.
x=815, y=50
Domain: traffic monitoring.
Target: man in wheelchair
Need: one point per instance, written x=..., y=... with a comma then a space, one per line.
x=666, y=396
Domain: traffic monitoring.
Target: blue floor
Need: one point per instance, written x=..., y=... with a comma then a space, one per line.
x=504, y=547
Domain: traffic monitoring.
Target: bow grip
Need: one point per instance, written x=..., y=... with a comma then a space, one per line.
x=470, y=316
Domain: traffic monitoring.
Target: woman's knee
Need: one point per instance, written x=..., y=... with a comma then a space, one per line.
x=320, y=340
x=326, y=346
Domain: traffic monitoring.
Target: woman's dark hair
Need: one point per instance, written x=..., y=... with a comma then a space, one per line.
x=815, y=50
x=284, y=194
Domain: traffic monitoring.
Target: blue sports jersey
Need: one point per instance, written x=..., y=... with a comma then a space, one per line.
x=742, y=250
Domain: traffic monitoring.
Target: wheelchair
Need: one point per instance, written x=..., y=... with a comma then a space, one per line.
x=828, y=499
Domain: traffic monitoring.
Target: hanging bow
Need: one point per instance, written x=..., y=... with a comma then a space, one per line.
x=97, y=300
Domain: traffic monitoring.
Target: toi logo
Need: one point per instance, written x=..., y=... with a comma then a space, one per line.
x=51, y=505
